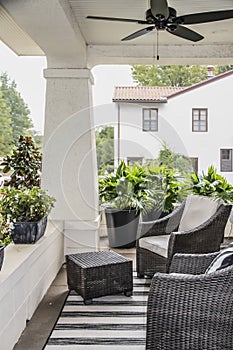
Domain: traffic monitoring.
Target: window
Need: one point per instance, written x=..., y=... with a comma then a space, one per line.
x=199, y=120
x=194, y=162
x=150, y=119
x=226, y=159
x=132, y=160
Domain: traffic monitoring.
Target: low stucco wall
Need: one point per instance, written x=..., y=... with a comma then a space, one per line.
x=27, y=273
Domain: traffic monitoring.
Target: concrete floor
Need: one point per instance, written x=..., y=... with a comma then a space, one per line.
x=41, y=324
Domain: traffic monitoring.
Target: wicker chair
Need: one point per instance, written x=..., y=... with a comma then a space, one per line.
x=191, y=312
x=165, y=233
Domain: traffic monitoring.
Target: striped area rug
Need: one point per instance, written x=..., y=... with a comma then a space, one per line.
x=113, y=322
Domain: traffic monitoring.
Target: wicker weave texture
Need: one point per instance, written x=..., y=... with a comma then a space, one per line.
x=97, y=274
x=206, y=238
x=191, y=312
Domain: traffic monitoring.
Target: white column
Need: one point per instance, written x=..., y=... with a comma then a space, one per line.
x=69, y=157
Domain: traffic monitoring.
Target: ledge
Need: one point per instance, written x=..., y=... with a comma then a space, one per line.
x=27, y=273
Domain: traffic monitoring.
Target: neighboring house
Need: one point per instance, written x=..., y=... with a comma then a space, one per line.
x=196, y=121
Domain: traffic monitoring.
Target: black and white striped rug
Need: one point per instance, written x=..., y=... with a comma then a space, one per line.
x=113, y=322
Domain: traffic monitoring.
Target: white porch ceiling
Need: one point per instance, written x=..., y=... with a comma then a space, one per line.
x=110, y=33
x=60, y=28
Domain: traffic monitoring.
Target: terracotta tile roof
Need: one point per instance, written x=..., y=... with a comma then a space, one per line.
x=159, y=93
x=144, y=93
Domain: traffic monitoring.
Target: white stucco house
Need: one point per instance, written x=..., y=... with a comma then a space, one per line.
x=195, y=121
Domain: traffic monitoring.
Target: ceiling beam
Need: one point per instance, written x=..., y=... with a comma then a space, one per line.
x=168, y=54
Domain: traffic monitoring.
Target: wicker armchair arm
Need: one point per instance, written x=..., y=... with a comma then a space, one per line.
x=194, y=264
x=206, y=238
x=161, y=226
x=183, y=310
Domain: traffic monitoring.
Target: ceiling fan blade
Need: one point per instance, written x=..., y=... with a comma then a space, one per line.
x=204, y=17
x=185, y=33
x=138, y=33
x=118, y=19
x=159, y=8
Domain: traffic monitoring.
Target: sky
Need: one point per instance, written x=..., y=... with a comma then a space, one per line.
x=28, y=75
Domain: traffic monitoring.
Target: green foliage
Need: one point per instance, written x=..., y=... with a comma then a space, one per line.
x=20, y=113
x=173, y=161
x=105, y=149
x=24, y=164
x=5, y=232
x=38, y=139
x=212, y=185
x=126, y=188
x=19, y=205
x=172, y=75
x=166, y=187
x=6, y=138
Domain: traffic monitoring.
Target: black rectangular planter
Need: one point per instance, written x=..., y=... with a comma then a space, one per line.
x=28, y=232
x=1, y=255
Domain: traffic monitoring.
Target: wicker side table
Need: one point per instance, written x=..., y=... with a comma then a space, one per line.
x=97, y=274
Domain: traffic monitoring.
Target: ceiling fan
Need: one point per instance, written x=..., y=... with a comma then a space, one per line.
x=162, y=17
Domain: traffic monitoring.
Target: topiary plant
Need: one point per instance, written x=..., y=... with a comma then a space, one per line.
x=24, y=164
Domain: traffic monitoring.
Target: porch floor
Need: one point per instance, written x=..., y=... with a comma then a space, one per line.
x=41, y=324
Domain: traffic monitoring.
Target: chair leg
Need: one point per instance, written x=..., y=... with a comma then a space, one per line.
x=140, y=275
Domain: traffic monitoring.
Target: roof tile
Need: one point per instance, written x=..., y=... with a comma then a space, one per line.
x=144, y=93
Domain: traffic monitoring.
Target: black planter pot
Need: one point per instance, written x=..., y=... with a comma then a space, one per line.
x=1, y=255
x=28, y=232
x=122, y=226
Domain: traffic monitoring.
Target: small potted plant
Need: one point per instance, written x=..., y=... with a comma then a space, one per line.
x=124, y=194
x=5, y=238
x=27, y=210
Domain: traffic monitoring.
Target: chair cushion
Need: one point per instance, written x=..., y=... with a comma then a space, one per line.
x=197, y=210
x=156, y=244
x=222, y=260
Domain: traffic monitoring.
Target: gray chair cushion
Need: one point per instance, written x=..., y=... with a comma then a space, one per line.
x=156, y=244
x=222, y=260
x=197, y=210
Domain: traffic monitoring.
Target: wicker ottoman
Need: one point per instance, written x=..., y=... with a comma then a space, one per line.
x=97, y=274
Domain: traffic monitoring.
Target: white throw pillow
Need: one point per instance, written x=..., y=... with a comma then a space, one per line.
x=197, y=210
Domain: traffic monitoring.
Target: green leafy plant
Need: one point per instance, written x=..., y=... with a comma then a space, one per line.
x=126, y=188
x=166, y=187
x=24, y=164
x=25, y=204
x=212, y=184
x=5, y=232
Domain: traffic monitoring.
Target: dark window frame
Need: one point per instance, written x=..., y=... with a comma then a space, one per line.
x=226, y=164
x=194, y=161
x=137, y=160
x=150, y=129
x=199, y=119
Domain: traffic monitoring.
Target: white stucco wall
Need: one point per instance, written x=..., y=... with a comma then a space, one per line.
x=175, y=125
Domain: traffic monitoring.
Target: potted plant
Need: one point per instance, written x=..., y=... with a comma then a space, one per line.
x=212, y=184
x=124, y=194
x=5, y=238
x=27, y=210
x=165, y=186
x=24, y=164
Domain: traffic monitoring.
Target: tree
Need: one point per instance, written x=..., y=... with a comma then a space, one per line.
x=105, y=148
x=6, y=138
x=172, y=75
x=20, y=113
